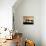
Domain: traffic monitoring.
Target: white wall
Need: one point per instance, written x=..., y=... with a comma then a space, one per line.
x=29, y=8
x=6, y=13
x=6, y=19
x=43, y=22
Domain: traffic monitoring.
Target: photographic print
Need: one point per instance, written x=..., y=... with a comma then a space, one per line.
x=28, y=19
